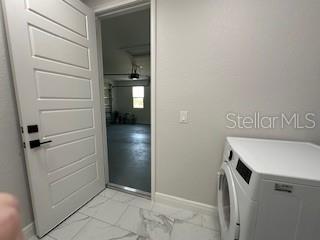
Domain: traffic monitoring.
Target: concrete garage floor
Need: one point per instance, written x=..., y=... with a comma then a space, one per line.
x=129, y=155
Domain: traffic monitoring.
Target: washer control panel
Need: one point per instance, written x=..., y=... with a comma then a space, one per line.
x=244, y=171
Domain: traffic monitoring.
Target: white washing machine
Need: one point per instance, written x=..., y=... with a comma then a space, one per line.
x=269, y=190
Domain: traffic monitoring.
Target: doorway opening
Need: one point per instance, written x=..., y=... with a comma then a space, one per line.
x=125, y=41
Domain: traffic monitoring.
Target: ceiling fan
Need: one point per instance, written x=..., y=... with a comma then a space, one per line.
x=133, y=75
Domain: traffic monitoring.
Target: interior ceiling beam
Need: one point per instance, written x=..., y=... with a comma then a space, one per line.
x=143, y=45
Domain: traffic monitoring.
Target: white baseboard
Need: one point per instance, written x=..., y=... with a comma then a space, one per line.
x=185, y=204
x=28, y=231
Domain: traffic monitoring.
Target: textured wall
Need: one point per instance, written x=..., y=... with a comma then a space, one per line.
x=220, y=56
x=13, y=177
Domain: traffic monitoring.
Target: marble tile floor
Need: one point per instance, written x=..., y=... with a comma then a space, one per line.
x=114, y=215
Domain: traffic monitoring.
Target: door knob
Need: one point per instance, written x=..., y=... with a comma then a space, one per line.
x=36, y=143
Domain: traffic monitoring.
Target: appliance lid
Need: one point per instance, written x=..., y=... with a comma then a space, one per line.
x=299, y=160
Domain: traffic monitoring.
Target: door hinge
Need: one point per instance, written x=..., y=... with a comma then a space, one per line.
x=22, y=130
x=24, y=145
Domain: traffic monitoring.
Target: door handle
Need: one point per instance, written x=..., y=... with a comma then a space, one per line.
x=220, y=175
x=36, y=143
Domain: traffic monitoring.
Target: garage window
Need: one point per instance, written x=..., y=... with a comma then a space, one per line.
x=138, y=96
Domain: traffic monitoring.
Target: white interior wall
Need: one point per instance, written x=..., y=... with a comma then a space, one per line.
x=122, y=96
x=114, y=59
x=124, y=103
x=240, y=56
x=215, y=57
x=124, y=31
x=13, y=178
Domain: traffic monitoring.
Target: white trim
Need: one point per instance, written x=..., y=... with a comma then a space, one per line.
x=108, y=7
x=185, y=204
x=153, y=47
x=123, y=7
x=28, y=231
x=103, y=111
x=128, y=9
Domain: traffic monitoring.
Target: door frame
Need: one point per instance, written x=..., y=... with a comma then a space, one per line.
x=108, y=10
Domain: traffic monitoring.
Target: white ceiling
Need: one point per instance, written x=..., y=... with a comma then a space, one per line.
x=132, y=31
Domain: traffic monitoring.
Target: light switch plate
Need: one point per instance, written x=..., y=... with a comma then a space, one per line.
x=184, y=116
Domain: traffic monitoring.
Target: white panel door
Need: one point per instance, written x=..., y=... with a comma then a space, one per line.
x=54, y=59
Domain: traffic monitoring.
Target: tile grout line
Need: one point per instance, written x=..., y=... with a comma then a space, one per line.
x=167, y=215
x=118, y=226
x=128, y=204
x=90, y=219
x=115, y=224
x=112, y=225
x=186, y=221
x=122, y=214
x=77, y=212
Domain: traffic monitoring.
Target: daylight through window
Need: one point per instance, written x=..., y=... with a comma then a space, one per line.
x=138, y=96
